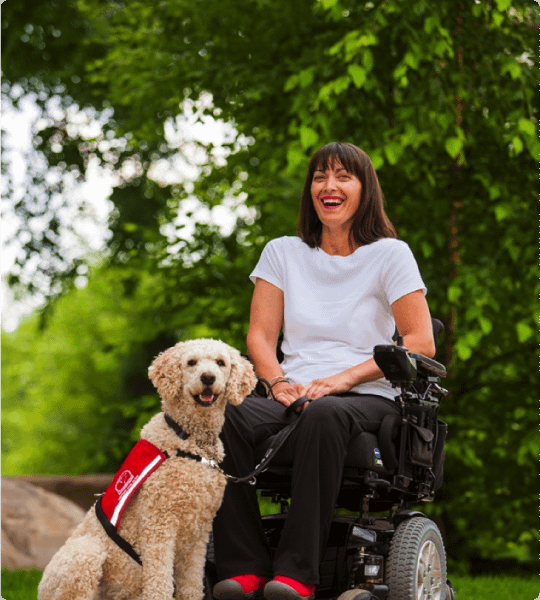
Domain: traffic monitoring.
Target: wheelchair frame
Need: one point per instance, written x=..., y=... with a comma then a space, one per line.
x=371, y=556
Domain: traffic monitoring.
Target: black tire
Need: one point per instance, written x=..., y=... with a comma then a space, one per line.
x=416, y=566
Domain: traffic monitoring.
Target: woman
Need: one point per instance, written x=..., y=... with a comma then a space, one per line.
x=337, y=290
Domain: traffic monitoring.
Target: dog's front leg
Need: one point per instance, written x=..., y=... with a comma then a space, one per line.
x=157, y=556
x=189, y=568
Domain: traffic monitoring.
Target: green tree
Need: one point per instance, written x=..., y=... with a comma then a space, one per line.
x=441, y=97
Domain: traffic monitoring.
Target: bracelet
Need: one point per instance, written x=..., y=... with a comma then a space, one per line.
x=270, y=384
x=277, y=380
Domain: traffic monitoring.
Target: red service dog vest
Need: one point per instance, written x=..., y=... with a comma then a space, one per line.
x=143, y=459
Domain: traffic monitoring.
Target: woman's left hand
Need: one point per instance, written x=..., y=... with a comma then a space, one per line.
x=327, y=386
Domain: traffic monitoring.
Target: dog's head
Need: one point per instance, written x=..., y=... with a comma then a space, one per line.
x=203, y=372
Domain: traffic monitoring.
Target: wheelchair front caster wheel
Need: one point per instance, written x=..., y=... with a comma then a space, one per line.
x=356, y=594
x=416, y=567
x=450, y=595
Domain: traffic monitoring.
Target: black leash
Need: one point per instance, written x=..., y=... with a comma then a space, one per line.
x=277, y=443
x=279, y=439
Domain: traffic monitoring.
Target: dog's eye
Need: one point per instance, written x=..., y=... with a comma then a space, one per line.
x=220, y=362
x=192, y=362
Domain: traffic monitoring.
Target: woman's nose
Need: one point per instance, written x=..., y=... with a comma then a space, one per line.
x=330, y=183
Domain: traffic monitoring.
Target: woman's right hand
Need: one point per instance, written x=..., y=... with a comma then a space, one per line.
x=287, y=393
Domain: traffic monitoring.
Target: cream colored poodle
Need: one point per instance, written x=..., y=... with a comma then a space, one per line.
x=169, y=518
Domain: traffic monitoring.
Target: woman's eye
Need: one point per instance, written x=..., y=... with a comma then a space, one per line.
x=192, y=362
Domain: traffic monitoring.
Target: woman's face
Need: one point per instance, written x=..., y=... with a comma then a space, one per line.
x=336, y=195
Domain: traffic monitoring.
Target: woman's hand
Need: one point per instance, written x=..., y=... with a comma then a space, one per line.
x=287, y=393
x=327, y=386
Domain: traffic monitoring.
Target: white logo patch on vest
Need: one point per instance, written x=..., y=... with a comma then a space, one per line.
x=143, y=459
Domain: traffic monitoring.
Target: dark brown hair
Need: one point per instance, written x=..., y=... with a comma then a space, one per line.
x=370, y=222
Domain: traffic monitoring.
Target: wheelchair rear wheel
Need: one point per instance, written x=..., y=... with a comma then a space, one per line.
x=416, y=567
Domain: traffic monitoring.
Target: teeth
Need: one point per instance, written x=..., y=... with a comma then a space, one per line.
x=332, y=202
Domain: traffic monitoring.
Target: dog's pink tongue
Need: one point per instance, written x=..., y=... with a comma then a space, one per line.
x=207, y=397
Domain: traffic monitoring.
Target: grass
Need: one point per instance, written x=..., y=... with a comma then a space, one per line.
x=495, y=588
x=22, y=585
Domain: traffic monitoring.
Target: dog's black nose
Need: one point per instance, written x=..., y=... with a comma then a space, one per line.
x=208, y=378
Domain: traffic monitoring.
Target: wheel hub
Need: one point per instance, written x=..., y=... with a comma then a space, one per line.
x=429, y=576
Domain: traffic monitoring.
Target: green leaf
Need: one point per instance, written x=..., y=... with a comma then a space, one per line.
x=431, y=23
x=377, y=159
x=524, y=331
x=453, y=146
x=454, y=293
x=503, y=5
x=533, y=146
x=308, y=137
x=412, y=60
x=463, y=350
x=326, y=4
x=306, y=77
x=503, y=211
x=485, y=324
x=393, y=152
x=295, y=157
x=498, y=18
x=527, y=127
x=291, y=83
x=367, y=60
x=358, y=75
x=494, y=192
x=517, y=145
x=512, y=67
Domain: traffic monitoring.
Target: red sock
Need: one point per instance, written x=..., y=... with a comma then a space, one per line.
x=251, y=583
x=304, y=589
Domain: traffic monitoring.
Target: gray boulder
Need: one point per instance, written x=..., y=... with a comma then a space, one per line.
x=35, y=524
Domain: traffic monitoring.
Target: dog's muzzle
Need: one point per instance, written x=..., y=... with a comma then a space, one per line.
x=206, y=398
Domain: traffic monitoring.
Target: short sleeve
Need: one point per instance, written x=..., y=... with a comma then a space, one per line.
x=270, y=266
x=401, y=275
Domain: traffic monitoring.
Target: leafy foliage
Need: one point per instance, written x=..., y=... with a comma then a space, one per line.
x=440, y=95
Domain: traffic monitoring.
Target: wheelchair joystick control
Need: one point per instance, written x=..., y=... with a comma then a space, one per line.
x=396, y=363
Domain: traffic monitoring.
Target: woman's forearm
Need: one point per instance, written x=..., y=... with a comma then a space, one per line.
x=262, y=354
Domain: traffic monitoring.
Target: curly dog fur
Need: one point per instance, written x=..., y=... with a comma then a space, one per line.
x=169, y=518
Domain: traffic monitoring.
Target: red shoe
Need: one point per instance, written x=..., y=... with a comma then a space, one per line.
x=241, y=587
x=287, y=588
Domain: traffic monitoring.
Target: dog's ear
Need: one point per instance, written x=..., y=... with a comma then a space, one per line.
x=242, y=379
x=159, y=370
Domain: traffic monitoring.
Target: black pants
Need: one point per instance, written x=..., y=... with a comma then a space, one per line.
x=320, y=444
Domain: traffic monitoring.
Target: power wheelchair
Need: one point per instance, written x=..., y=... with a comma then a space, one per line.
x=386, y=550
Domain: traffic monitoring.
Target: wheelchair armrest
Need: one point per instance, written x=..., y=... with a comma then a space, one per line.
x=430, y=365
x=396, y=363
x=401, y=367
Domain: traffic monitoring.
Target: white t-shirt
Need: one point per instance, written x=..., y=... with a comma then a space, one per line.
x=337, y=308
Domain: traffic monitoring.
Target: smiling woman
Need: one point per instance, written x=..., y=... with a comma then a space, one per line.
x=336, y=196
x=336, y=291
x=344, y=175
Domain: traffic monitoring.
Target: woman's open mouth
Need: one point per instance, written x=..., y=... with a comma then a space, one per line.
x=332, y=201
